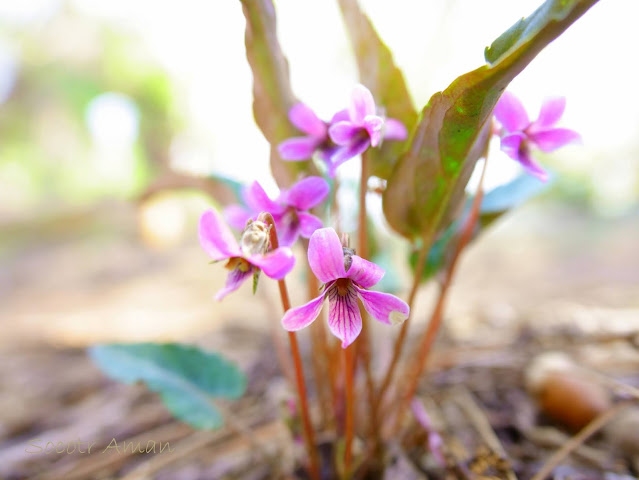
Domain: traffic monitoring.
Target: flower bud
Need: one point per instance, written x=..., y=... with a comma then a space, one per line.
x=255, y=238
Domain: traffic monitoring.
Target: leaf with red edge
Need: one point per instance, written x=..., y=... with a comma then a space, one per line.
x=272, y=93
x=428, y=182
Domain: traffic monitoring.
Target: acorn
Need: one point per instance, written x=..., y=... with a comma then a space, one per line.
x=563, y=392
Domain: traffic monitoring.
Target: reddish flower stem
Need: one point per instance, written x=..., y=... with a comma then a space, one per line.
x=349, y=369
x=428, y=338
x=309, y=435
x=399, y=342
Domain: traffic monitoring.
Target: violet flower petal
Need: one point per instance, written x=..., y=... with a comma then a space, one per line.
x=216, y=238
x=549, y=140
x=551, y=111
x=511, y=113
x=345, y=153
x=364, y=273
x=394, y=130
x=325, y=255
x=236, y=216
x=288, y=229
x=275, y=264
x=341, y=116
x=307, y=193
x=344, y=320
x=374, y=125
x=384, y=307
x=362, y=104
x=305, y=120
x=343, y=133
x=234, y=280
x=258, y=201
x=301, y=317
x=298, y=148
x=511, y=145
x=532, y=166
x=308, y=224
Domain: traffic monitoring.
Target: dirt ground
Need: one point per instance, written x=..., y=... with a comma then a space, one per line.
x=545, y=279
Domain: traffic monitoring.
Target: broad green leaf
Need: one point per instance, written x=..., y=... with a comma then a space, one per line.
x=495, y=203
x=427, y=185
x=378, y=72
x=272, y=93
x=186, y=377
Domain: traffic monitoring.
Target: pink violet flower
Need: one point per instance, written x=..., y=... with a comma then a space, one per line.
x=361, y=127
x=316, y=139
x=246, y=258
x=289, y=209
x=519, y=134
x=345, y=277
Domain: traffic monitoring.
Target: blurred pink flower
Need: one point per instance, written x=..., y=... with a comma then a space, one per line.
x=246, y=258
x=519, y=134
x=289, y=209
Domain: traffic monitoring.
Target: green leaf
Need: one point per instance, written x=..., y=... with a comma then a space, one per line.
x=272, y=93
x=512, y=194
x=427, y=185
x=186, y=378
x=378, y=72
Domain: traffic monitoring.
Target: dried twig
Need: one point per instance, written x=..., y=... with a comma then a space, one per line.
x=578, y=439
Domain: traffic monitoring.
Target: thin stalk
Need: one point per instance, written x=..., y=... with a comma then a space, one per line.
x=364, y=345
x=349, y=368
x=309, y=435
x=399, y=342
x=428, y=338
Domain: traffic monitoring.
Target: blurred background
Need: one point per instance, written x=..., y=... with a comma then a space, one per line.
x=105, y=107
x=101, y=103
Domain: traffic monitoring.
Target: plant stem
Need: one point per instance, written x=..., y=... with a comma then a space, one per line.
x=309, y=435
x=430, y=334
x=399, y=342
x=349, y=368
x=364, y=345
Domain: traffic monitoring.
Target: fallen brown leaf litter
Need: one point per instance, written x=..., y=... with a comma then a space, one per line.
x=491, y=426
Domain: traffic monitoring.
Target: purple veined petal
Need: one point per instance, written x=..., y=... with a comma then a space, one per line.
x=307, y=193
x=345, y=153
x=305, y=120
x=511, y=145
x=549, y=140
x=216, y=238
x=394, y=130
x=237, y=216
x=384, y=307
x=532, y=167
x=364, y=273
x=511, y=113
x=276, y=264
x=258, y=201
x=551, y=111
x=308, y=224
x=298, y=148
x=344, y=133
x=362, y=104
x=301, y=317
x=325, y=255
x=374, y=125
x=344, y=319
x=341, y=116
x=234, y=280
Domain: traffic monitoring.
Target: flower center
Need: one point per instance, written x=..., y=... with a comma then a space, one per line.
x=238, y=263
x=342, y=285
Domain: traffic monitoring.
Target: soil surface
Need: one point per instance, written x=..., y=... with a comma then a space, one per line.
x=544, y=280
